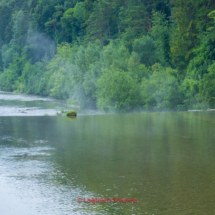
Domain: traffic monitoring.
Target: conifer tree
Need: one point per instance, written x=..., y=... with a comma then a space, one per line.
x=185, y=33
x=5, y=18
x=97, y=22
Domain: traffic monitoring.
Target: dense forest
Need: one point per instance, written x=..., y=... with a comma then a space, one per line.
x=111, y=55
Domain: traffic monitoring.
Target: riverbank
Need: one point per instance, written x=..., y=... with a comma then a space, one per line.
x=17, y=104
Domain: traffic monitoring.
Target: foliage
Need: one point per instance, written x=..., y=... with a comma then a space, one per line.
x=162, y=90
x=207, y=87
x=117, y=90
x=118, y=55
x=184, y=38
x=71, y=113
x=161, y=34
x=146, y=49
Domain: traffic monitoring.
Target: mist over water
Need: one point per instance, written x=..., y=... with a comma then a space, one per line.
x=13, y=104
x=165, y=160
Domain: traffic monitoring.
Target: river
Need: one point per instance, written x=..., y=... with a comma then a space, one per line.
x=164, y=160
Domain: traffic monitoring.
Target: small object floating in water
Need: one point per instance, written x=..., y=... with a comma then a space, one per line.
x=71, y=113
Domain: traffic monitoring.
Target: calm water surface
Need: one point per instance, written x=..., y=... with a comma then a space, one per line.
x=166, y=160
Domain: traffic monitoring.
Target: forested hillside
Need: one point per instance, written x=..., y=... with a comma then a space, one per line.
x=112, y=55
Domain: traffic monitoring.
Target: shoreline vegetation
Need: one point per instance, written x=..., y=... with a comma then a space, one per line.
x=113, y=56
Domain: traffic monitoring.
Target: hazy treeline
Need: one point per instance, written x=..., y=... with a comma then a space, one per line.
x=114, y=55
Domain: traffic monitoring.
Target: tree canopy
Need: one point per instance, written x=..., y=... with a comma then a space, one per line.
x=114, y=55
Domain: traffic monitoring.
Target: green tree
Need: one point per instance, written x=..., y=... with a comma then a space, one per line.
x=20, y=29
x=207, y=86
x=53, y=25
x=146, y=49
x=161, y=91
x=184, y=38
x=161, y=34
x=5, y=19
x=117, y=91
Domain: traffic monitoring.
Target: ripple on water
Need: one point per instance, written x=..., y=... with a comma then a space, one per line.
x=7, y=138
x=39, y=184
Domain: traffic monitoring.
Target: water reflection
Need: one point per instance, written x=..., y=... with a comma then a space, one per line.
x=28, y=173
x=163, y=159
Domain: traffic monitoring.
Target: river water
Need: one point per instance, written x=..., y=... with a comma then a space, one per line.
x=165, y=160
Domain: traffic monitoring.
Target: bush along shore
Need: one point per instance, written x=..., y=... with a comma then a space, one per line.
x=101, y=55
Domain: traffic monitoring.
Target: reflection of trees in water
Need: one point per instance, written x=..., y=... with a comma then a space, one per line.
x=158, y=158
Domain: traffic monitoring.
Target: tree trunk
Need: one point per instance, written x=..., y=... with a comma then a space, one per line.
x=101, y=33
x=149, y=24
x=155, y=5
x=126, y=5
x=118, y=25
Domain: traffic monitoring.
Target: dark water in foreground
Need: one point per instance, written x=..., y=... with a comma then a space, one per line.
x=165, y=160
